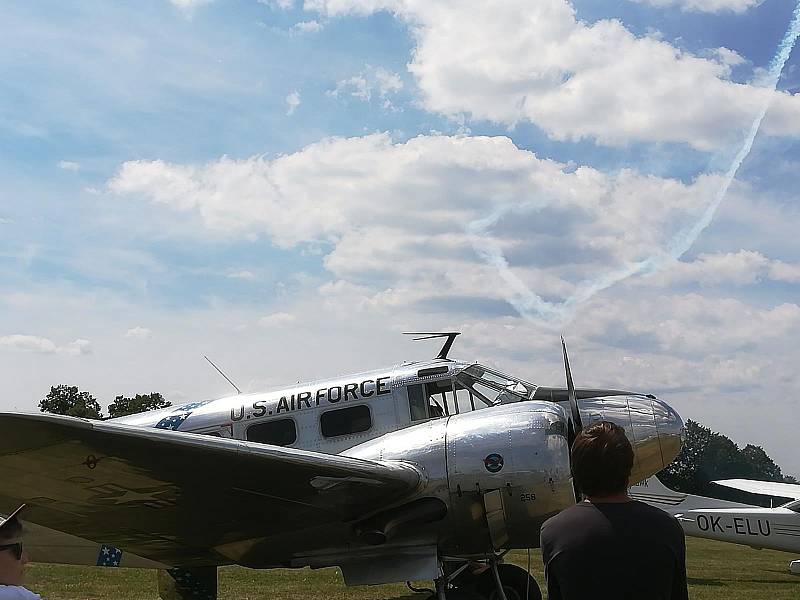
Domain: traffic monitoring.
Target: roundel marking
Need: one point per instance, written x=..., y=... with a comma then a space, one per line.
x=493, y=462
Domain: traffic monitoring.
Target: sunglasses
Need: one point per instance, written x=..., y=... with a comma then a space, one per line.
x=16, y=548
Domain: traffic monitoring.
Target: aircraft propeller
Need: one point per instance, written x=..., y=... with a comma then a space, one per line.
x=575, y=424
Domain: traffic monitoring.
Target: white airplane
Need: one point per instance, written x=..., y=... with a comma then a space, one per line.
x=414, y=472
x=773, y=528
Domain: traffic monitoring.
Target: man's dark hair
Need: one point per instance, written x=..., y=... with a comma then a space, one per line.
x=10, y=530
x=602, y=459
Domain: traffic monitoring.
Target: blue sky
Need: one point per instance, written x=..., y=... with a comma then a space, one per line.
x=286, y=186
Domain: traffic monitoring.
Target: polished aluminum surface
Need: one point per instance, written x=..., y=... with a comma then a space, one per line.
x=511, y=447
x=452, y=454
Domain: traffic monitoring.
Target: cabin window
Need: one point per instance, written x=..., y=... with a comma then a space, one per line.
x=462, y=399
x=345, y=421
x=281, y=432
x=417, y=402
x=427, y=401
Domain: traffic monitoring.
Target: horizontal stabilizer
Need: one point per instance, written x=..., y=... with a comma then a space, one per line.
x=767, y=488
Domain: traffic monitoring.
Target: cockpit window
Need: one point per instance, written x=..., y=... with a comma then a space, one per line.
x=473, y=388
x=492, y=387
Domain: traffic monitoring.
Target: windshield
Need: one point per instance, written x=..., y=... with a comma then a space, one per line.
x=491, y=387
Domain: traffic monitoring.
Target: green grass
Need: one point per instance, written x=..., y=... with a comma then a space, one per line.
x=716, y=571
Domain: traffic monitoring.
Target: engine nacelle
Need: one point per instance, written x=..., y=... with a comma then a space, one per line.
x=500, y=472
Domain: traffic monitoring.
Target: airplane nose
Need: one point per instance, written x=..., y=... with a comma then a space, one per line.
x=671, y=430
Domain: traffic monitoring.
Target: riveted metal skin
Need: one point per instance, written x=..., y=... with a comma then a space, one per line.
x=499, y=451
x=534, y=480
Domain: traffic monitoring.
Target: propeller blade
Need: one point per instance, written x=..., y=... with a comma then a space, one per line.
x=573, y=401
x=574, y=425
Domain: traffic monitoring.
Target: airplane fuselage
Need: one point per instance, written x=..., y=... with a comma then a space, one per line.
x=471, y=430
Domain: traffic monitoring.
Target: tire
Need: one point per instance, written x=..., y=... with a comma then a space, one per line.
x=515, y=583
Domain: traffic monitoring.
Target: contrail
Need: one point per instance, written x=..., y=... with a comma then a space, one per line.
x=530, y=305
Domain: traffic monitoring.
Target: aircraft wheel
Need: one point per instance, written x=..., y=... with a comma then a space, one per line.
x=516, y=582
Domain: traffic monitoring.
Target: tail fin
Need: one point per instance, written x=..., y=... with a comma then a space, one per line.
x=655, y=493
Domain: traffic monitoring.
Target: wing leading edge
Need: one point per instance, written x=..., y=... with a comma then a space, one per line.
x=767, y=488
x=180, y=498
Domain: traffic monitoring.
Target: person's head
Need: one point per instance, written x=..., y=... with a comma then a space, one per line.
x=12, y=557
x=602, y=459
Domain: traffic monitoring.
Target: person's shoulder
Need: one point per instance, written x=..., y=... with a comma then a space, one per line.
x=568, y=515
x=655, y=514
x=16, y=592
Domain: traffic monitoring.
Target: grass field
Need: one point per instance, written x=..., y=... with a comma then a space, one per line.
x=716, y=571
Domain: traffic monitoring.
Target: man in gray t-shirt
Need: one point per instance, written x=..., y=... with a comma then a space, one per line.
x=12, y=560
x=610, y=546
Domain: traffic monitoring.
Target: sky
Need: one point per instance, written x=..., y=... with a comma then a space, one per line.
x=286, y=186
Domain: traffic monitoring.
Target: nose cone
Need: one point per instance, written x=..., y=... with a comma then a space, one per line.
x=670, y=430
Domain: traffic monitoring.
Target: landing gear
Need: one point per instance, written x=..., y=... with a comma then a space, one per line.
x=478, y=582
x=517, y=584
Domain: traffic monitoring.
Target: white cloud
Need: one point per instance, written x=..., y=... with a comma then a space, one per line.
x=278, y=319
x=745, y=267
x=78, y=347
x=68, y=165
x=139, y=333
x=29, y=343
x=535, y=61
x=356, y=86
x=307, y=27
x=399, y=215
x=42, y=345
x=729, y=57
x=387, y=81
x=709, y=6
x=690, y=324
x=278, y=4
x=292, y=101
x=369, y=83
x=188, y=6
x=243, y=274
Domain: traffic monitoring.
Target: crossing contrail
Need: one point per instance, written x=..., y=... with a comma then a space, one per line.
x=531, y=305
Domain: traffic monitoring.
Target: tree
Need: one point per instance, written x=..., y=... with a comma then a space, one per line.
x=68, y=400
x=682, y=473
x=707, y=456
x=139, y=403
x=762, y=465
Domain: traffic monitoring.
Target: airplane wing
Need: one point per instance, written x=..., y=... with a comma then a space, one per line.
x=179, y=498
x=767, y=488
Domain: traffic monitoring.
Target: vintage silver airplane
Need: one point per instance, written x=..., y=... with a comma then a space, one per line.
x=415, y=472
x=774, y=528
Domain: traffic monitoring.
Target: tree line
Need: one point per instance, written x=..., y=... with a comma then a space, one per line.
x=708, y=456
x=69, y=400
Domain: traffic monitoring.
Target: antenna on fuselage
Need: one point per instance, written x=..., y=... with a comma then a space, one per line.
x=228, y=379
x=428, y=335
